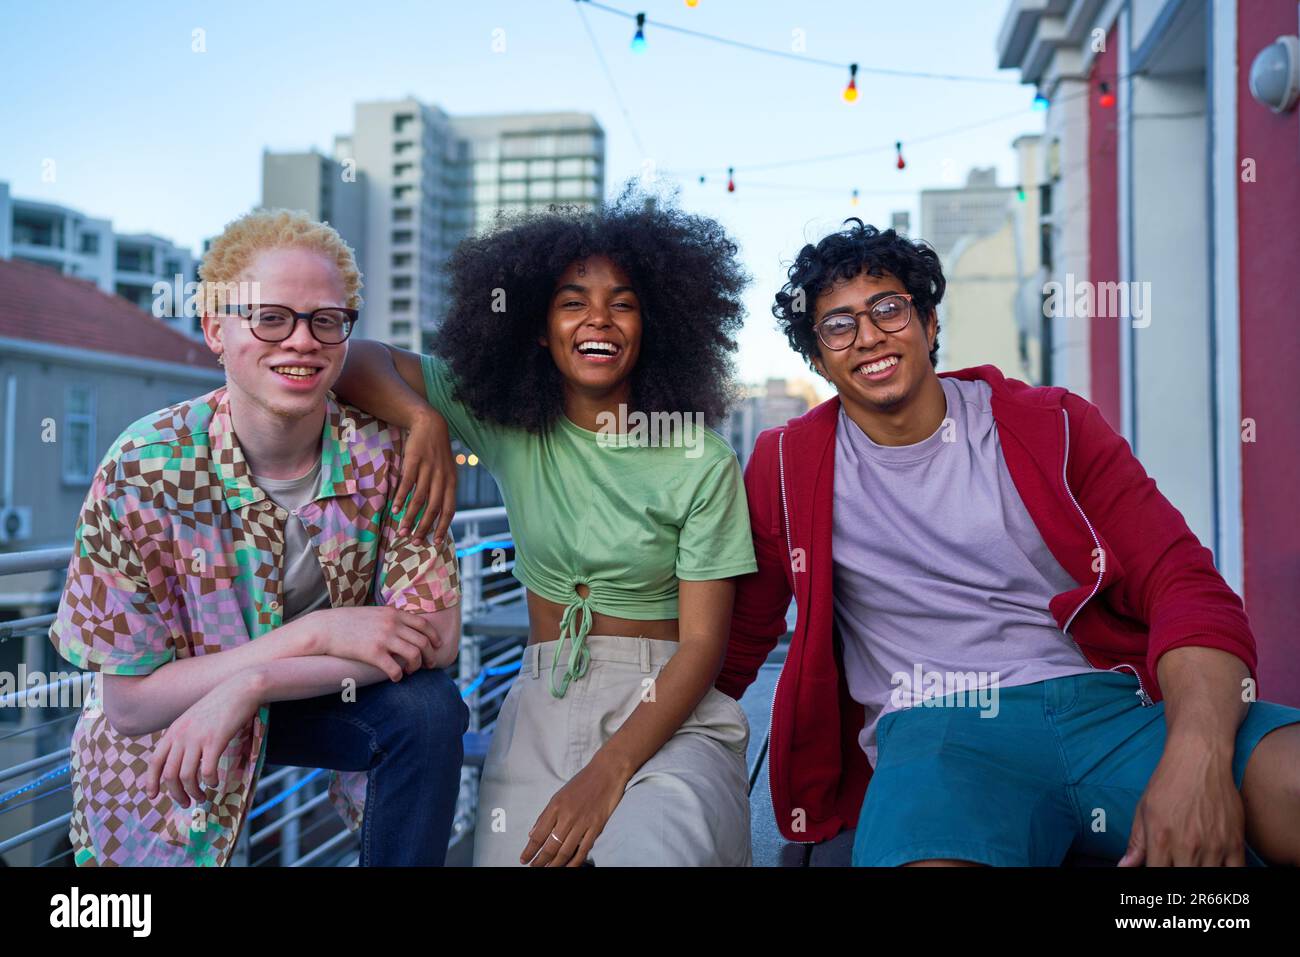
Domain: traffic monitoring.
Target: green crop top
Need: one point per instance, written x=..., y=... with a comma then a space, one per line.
x=626, y=519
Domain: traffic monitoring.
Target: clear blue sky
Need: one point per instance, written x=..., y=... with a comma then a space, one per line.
x=162, y=139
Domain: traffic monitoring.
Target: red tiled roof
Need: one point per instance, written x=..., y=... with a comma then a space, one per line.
x=41, y=305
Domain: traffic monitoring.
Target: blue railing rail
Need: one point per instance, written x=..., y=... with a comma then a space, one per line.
x=291, y=823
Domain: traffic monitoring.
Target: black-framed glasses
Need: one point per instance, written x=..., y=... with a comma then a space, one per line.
x=890, y=314
x=271, y=322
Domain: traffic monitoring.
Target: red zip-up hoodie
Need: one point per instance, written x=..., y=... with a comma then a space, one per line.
x=1145, y=583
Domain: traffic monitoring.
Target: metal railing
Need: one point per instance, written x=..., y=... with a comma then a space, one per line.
x=291, y=823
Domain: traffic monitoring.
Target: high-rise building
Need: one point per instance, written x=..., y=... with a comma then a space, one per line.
x=973, y=210
x=72, y=243
x=416, y=210
x=426, y=180
x=527, y=161
x=323, y=188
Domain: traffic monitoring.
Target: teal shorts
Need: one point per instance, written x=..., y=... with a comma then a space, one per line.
x=1061, y=766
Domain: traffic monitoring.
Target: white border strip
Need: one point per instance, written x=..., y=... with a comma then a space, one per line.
x=1224, y=173
x=1124, y=182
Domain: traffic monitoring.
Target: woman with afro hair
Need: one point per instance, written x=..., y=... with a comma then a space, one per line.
x=582, y=356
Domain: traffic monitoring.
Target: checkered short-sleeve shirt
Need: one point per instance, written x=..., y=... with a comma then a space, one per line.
x=177, y=553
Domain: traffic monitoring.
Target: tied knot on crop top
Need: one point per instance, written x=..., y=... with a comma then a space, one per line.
x=578, y=610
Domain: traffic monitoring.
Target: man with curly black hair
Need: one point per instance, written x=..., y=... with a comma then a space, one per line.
x=581, y=359
x=1001, y=596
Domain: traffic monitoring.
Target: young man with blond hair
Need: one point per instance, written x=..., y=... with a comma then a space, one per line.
x=240, y=582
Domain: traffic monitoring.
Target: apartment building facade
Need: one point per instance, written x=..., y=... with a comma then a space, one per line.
x=75, y=244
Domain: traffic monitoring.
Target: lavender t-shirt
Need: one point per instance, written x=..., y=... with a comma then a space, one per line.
x=941, y=579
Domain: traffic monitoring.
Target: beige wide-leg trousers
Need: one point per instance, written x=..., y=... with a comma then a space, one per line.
x=687, y=805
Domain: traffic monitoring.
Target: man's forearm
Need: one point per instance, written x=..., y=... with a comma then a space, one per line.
x=289, y=679
x=139, y=704
x=1203, y=695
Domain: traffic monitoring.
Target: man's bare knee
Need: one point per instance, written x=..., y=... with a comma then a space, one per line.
x=943, y=862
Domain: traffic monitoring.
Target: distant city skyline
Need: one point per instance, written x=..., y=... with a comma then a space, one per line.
x=168, y=138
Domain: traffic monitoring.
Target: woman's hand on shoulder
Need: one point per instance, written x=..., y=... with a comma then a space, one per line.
x=429, y=477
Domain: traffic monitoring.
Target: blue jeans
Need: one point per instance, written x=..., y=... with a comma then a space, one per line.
x=407, y=736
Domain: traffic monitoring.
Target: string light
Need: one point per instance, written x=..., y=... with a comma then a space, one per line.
x=855, y=197
x=1107, y=98
x=638, y=38
x=692, y=3
x=898, y=147
x=1020, y=192
x=731, y=179
x=1041, y=102
x=851, y=91
x=800, y=57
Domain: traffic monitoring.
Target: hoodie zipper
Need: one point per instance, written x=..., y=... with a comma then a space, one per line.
x=1141, y=692
x=789, y=554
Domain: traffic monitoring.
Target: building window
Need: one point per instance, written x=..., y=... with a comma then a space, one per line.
x=402, y=146
x=401, y=260
x=37, y=230
x=542, y=189
x=400, y=328
x=134, y=259
x=401, y=169
x=514, y=170
x=89, y=244
x=576, y=143
x=403, y=214
x=400, y=305
x=401, y=282
x=571, y=189
x=511, y=191
x=402, y=236
x=402, y=120
x=401, y=192
x=78, y=434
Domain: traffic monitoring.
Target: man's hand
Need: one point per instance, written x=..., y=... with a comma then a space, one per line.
x=1191, y=813
x=429, y=476
x=186, y=757
x=576, y=814
x=396, y=642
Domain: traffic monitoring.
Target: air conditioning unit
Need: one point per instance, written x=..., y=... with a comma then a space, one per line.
x=15, y=524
